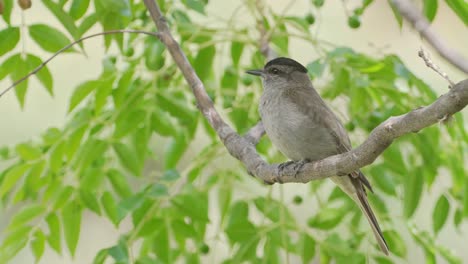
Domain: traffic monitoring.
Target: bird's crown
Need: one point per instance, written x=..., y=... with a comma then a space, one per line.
x=286, y=62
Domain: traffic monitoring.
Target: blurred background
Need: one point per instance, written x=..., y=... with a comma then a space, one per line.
x=377, y=34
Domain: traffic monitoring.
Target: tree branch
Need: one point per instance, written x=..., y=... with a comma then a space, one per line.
x=420, y=23
x=243, y=148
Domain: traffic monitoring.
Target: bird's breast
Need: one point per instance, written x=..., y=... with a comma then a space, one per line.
x=298, y=135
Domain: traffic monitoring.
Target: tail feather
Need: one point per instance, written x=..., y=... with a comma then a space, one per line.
x=367, y=210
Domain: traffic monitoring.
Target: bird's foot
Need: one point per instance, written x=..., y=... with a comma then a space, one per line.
x=299, y=165
x=282, y=166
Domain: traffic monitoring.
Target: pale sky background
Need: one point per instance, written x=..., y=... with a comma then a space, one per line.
x=378, y=29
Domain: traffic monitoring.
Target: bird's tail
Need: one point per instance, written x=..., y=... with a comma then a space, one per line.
x=367, y=210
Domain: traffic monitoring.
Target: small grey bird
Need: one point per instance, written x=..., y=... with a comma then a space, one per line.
x=303, y=128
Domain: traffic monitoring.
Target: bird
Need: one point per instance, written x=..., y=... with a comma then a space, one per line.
x=302, y=127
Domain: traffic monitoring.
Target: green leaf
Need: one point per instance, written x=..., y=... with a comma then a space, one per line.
x=274, y=210
x=26, y=215
x=306, y=247
x=161, y=245
x=38, y=245
x=56, y=157
x=382, y=260
x=101, y=256
x=271, y=253
x=7, y=7
x=28, y=152
x=203, y=63
x=51, y=136
x=396, y=13
x=129, y=121
x=119, y=183
x=48, y=38
x=383, y=179
x=62, y=196
x=127, y=158
x=412, y=191
x=71, y=218
x=74, y=140
x=12, y=177
x=19, y=70
x=91, y=178
x=81, y=92
x=92, y=150
x=110, y=207
x=460, y=7
x=64, y=18
x=297, y=22
x=194, y=205
x=440, y=213
x=196, y=5
x=78, y=8
x=430, y=9
x=327, y=218
x=154, y=53
x=114, y=14
x=174, y=150
x=280, y=39
x=54, y=232
x=236, y=52
x=465, y=198
x=170, y=175
x=90, y=201
x=87, y=23
x=156, y=191
x=43, y=75
x=119, y=253
x=315, y=68
x=224, y=199
x=129, y=205
x=239, y=228
x=10, y=37
x=396, y=243
x=176, y=107
x=102, y=93
x=14, y=242
x=9, y=65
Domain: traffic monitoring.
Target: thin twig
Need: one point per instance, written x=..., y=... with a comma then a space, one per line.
x=423, y=54
x=422, y=25
x=43, y=64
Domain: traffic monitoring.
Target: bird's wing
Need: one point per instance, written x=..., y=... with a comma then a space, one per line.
x=312, y=105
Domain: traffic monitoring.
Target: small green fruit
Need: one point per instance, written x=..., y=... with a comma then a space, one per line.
x=310, y=19
x=204, y=249
x=297, y=199
x=318, y=3
x=247, y=80
x=354, y=21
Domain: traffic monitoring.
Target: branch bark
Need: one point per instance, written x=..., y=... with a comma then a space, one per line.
x=422, y=25
x=243, y=148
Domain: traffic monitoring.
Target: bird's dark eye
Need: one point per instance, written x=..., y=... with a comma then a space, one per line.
x=274, y=71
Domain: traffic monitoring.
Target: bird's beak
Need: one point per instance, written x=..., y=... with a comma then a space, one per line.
x=255, y=72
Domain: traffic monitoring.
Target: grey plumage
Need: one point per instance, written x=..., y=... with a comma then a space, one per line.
x=302, y=127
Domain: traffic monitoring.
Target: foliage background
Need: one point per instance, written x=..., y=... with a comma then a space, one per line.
x=41, y=112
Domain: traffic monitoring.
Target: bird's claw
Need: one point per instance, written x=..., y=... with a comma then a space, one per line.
x=297, y=167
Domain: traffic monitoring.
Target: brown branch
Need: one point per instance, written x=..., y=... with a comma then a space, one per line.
x=43, y=64
x=243, y=149
x=255, y=133
x=422, y=25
